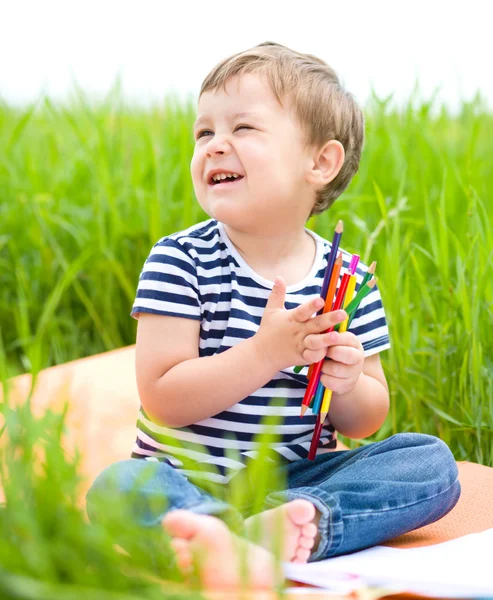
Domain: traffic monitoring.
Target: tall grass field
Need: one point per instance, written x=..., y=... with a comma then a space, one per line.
x=87, y=188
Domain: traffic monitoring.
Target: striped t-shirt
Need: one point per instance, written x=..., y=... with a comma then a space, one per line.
x=198, y=274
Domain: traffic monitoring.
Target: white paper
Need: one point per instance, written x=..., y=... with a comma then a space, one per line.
x=459, y=568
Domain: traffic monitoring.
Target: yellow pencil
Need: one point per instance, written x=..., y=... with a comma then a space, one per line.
x=325, y=404
x=351, y=286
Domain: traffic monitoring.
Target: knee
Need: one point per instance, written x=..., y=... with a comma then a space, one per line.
x=116, y=477
x=431, y=454
x=115, y=487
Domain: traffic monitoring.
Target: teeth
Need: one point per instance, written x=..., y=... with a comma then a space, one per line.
x=220, y=176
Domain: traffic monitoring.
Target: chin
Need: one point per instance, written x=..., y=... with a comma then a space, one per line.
x=224, y=210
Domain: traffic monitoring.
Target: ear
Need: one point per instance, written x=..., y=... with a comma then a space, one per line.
x=327, y=162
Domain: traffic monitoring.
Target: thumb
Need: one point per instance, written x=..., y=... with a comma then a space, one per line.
x=278, y=294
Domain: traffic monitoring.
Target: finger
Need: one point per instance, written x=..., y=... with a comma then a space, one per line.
x=337, y=369
x=305, y=311
x=337, y=384
x=326, y=321
x=344, y=354
x=313, y=356
x=343, y=339
x=315, y=341
x=277, y=296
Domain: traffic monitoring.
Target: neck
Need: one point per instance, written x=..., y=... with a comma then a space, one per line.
x=269, y=247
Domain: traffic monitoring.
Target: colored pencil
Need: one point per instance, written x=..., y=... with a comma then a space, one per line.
x=316, y=436
x=329, y=301
x=369, y=274
x=352, y=307
x=322, y=397
x=325, y=404
x=350, y=289
x=312, y=384
x=327, y=396
x=332, y=258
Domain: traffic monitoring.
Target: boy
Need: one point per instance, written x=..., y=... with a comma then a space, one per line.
x=277, y=140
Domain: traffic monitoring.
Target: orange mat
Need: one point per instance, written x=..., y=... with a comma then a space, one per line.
x=101, y=422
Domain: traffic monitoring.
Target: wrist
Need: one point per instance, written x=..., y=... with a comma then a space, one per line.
x=265, y=354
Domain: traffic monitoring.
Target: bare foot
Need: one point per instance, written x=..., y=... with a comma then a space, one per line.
x=224, y=561
x=291, y=523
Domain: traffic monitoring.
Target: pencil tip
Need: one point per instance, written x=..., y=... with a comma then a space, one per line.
x=303, y=410
x=339, y=260
x=323, y=416
x=371, y=284
x=372, y=268
x=339, y=227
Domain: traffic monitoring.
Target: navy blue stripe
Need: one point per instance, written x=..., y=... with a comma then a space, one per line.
x=144, y=309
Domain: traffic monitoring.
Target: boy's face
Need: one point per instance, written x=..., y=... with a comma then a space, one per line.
x=265, y=147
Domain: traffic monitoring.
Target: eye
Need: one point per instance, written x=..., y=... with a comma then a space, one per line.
x=201, y=133
x=204, y=131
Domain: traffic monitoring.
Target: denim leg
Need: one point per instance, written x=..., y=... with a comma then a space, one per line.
x=150, y=490
x=374, y=493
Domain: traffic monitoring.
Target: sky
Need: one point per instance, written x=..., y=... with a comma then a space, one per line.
x=158, y=46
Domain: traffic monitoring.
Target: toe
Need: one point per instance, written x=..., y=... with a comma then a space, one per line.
x=300, y=511
x=183, y=553
x=180, y=523
x=302, y=555
x=186, y=524
x=306, y=542
x=309, y=530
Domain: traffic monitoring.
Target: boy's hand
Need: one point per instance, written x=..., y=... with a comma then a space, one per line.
x=293, y=337
x=342, y=372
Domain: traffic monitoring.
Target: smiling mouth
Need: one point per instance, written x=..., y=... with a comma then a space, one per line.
x=225, y=182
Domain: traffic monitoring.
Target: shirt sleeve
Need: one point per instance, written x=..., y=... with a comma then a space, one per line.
x=370, y=324
x=168, y=283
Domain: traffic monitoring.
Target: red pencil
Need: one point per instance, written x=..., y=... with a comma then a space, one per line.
x=315, y=438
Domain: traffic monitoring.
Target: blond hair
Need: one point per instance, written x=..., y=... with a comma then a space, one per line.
x=323, y=108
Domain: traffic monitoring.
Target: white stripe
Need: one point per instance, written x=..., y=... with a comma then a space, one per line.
x=192, y=454
x=163, y=287
x=256, y=429
x=247, y=409
x=167, y=268
x=373, y=334
x=288, y=453
x=171, y=251
x=376, y=350
x=178, y=309
x=156, y=453
x=255, y=453
x=368, y=319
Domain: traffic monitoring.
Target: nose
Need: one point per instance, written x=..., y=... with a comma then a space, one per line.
x=217, y=145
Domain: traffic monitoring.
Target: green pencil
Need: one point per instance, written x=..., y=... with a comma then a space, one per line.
x=353, y=306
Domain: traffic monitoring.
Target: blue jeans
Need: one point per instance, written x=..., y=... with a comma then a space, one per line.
x=365, y=496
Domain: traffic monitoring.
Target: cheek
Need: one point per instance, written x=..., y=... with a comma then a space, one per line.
x=195, y=168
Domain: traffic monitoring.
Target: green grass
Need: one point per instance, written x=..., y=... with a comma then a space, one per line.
x=87, y=189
